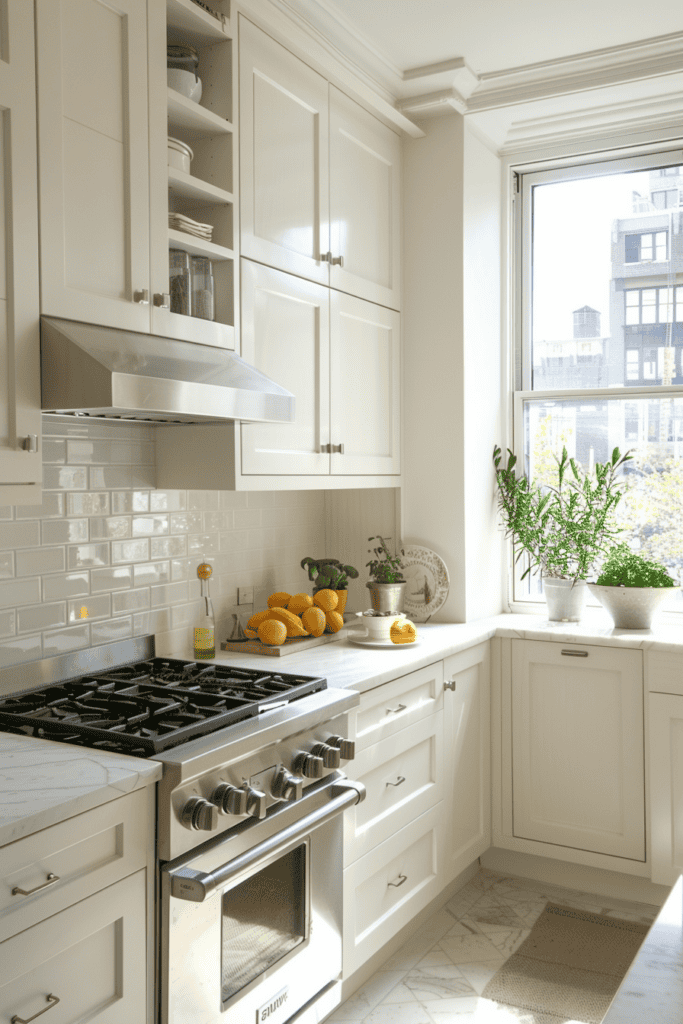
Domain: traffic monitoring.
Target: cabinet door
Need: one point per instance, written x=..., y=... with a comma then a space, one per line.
x=20, y=470
x=577, y=747
x=284, y=190
x=365, y=387
x=365, y=203
x=93, y=151
x=285, y=333
x=666, y=787
x=467, y=742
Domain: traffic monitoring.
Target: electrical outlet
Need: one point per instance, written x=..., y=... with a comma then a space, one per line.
x=245, y=595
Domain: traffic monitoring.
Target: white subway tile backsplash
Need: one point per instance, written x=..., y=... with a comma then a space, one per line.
x=143, y=475
x=151, y=573
x=117, y=577
x=64, y=531
x=54, y=451
x=36, y=561
x=40, y=617
x=90, y=608
x=203, y=545
x=20, y=649
x=169, y=593
x=8, y=623
x=62, y=641
x=165, y=547
x=168, y=501
x=147, y=526
x=6, y=565
x=130, y=550
x=247, y=518
x=186, y=522
x=73, y=584
x=65, y=478
x=152, y=622
x=113, y=629
x=19, y=535
x=86, y=556
x=114, y=527
x=125, y=502
x=130, y=600
x=52, y=507
x=103, y=477
x=202, y=501
x=14, y=593
x=95, y=503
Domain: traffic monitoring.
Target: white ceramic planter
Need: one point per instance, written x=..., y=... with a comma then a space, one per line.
x=631, y=607
x=565, y=599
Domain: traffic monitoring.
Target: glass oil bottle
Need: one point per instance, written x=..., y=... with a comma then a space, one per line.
x=205, y=628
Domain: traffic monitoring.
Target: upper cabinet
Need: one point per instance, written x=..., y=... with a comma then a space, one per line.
x=20, y=432
x=106, y=188
x=321, y=177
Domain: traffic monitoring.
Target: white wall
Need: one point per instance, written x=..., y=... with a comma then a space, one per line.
x=452, y=359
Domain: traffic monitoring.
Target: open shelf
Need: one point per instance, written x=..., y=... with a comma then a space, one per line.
x=193, y=118
x=197, y=246
x=189, y=23
x=186, y=186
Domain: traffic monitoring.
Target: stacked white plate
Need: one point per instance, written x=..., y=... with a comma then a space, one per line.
x=179, y=155
x=192, y=227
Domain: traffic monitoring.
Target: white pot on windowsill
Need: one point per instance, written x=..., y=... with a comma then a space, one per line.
x=631, y=607
x=565, y=599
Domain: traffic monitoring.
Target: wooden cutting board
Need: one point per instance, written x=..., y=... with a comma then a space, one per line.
x=295, y=643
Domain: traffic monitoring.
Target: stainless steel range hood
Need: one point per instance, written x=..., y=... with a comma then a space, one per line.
x=98, y=371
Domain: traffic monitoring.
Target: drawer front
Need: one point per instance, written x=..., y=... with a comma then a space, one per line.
x=91, y=957
x=664, y=672
x=84, y=854
x=403, y=776
x=384, y=890
x=389, y=708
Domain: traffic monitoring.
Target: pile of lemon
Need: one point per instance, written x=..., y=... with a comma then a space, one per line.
x=291, y=615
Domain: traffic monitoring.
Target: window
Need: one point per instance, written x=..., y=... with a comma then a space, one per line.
x=600, y=282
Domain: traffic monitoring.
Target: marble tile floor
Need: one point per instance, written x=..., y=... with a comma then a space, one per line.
x=438, y=975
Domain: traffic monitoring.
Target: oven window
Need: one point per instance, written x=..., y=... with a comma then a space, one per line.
x=263, y=919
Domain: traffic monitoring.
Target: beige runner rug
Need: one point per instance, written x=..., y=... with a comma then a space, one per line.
x=571, y=964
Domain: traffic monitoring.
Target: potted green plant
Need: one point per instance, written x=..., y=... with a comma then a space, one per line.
x=387, y=583
x=563, y=528
x=330, y=574
x=631, y=588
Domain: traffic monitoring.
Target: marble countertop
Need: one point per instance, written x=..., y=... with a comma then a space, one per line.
x=652, y=991
x=42, y=782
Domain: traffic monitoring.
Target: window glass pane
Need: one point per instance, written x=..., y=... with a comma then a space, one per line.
x=632, y=364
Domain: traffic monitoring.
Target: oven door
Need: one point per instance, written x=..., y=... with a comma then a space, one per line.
x=251, y=922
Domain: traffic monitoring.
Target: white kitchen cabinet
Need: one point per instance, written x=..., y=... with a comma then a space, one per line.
x=20, y=427
x=467, y=761
x=394, y=706
x=666, y=786
x=577, y=747
x=320, y=177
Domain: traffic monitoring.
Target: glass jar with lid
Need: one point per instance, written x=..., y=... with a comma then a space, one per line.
x=180, y=281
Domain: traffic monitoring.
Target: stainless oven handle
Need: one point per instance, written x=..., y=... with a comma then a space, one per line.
x=196, y=886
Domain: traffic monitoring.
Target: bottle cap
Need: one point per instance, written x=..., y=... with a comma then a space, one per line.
x=204, y=571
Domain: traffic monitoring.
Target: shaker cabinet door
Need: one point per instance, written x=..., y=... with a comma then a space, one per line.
x=20, y=469
x=94, y=161
x=284, y=158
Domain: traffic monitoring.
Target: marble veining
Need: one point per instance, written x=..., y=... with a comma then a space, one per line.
x=43, y=782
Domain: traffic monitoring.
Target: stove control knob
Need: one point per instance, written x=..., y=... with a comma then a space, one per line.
x=286, y=786
x=346, y=748
x=330, y=755
x=229, y=799
x=309, y=765
x=199, y=814
x=256, y=802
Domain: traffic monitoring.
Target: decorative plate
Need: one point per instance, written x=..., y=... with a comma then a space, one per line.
x=368, y=641
x=427, y=582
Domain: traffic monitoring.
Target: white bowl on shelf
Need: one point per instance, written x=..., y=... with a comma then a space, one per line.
x=184, y=82
x=180, y=155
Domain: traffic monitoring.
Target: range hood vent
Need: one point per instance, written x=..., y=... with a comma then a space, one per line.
x=103, y=372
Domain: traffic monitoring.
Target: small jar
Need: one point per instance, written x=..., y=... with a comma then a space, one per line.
x=180, y=282
x=202, y=288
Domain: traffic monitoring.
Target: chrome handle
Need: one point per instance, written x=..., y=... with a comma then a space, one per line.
x=51, y=879
x=395, y=711
x=30, y=443
x=326, y=257
x=450, y=684
x=401, y=779
x=401, y=879
x=162, y=300
x=142, y=298
x=337, y=261
x=325, y=449
x=337, y=448
x=16, y=1019
x=575, y=654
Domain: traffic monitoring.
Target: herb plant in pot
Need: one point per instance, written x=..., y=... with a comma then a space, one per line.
x=387, y=584
x=631, y=588
x=330, y=574
x=563, y=529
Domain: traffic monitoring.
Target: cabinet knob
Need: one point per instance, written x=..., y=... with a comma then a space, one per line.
x=142, y=297
x=162, y=300
x=30, y=443
x=450, y=684
x=325, y=257
x=337, y=261
x=337, y=448
x=325, y=449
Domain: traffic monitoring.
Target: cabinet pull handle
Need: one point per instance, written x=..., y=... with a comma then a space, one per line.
x=337, y=261
x=575, y=654
x=16, y=1019
x=142, y=298
x=162, y=300
x=337, y=448
x=450, y=684
x=51, y=879
x=30, y=443
x=398, y=782
x=401, y=879
x=395, y=711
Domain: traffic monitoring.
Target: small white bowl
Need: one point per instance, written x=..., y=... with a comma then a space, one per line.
x=179, y=155
x=185, y=83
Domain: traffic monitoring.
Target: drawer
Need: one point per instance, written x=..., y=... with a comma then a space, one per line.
x=84, y=853
x=384, y=890
x=389, y=708
x=664, y=672
x=91, y=957
x=403, y=776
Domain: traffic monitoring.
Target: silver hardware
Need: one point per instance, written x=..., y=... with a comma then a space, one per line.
x=325, y=449
x=309, y=765
x=326, y=257
x=256, y=803
x=162, y=300
x=331, y=755
x=337, y=448
x=229, y=799
x=575, y=654
x=347, y=748
x=199, y=814
x=286, y=786
x=16, y=1019
x=401, y=879
x=30, y=443
x=337, y=261
x=395, y=711
x=400, y=780
x=195, y=886
x=142, y=298
x=51, y=879
x=450, y=684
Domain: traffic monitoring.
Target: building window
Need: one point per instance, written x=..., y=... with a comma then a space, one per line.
x=665, y=200
x=582, y=229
